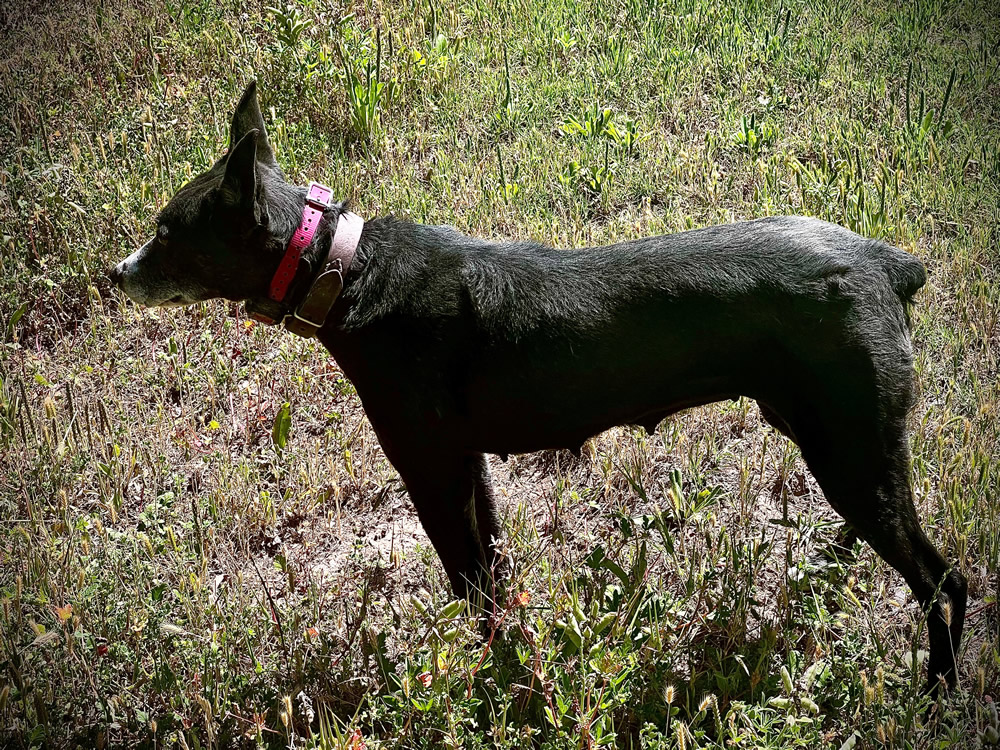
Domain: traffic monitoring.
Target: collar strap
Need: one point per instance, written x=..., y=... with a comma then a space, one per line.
x=310, y=314
x=317, y=201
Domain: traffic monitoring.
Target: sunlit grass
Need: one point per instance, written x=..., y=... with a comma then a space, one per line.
x=171, y=577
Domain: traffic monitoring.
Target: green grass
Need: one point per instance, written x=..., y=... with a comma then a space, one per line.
x=170, y=578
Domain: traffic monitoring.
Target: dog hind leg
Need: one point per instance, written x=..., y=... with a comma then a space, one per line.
x=861, y=461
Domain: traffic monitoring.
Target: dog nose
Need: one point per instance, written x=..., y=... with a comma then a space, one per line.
x=115, y=274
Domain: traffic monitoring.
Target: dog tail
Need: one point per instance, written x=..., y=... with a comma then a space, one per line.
x=906, y=276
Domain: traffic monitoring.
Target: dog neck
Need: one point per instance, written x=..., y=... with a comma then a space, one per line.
x=312, y=271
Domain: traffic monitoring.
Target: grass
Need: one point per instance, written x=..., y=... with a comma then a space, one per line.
x=177, y=572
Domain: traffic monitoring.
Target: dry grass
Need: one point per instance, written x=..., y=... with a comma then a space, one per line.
x=169, y=578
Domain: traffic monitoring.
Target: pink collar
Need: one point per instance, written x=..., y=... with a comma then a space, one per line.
x=310, y=314
x=317, y=201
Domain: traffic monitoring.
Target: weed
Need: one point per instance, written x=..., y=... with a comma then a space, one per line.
x=289, y=25
x=507, y=190
x=593, y=124
x=592, y=181
x=754, y=136
x=202, y=544
x=511, y=114
x=366, y=92
x=627, y=138
x=564, y=41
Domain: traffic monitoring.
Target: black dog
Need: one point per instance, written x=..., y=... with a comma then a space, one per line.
x=460, y=347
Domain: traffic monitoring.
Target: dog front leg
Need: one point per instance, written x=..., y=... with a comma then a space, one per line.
x=456, y=506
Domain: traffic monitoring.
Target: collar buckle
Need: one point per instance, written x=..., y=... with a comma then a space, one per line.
x=318, y=196
x=315, y=306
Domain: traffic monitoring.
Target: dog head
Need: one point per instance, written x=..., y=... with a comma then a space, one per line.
x=224, y=232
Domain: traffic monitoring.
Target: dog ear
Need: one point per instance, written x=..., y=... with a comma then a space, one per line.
x=239, y=183
x=247, y=117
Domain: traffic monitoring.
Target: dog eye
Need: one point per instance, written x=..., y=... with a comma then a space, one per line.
x=162, y=234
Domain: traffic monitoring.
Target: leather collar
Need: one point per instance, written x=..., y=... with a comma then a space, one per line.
x=309, y=315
